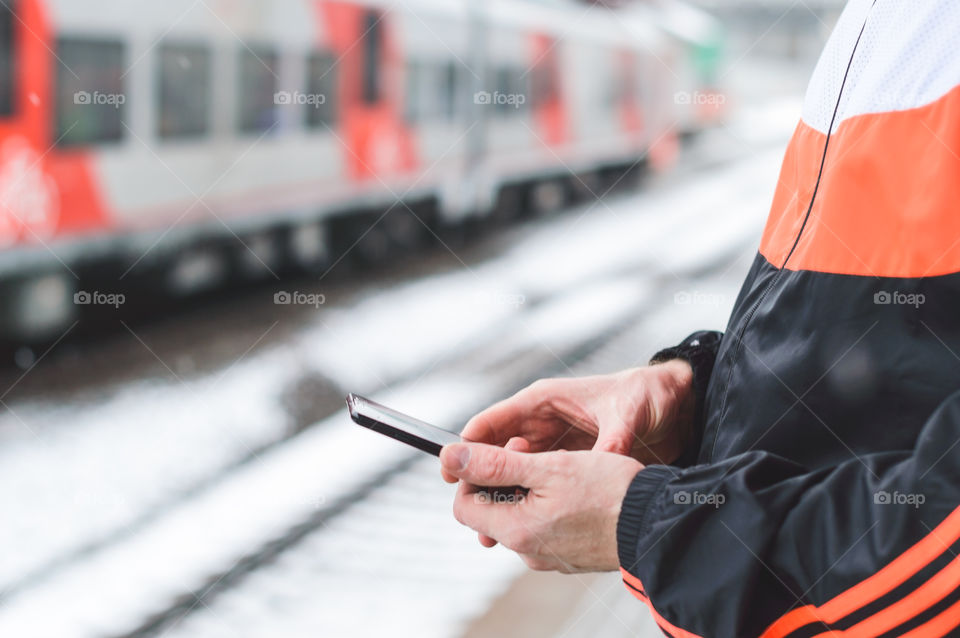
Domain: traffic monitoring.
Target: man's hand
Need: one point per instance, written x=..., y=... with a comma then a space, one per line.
x=645, y=412
x=568, y=519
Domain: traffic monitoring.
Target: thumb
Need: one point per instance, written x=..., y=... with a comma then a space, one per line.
x=489, y=465
x=616, y=440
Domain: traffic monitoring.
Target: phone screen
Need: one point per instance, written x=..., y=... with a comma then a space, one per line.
x=399, y=426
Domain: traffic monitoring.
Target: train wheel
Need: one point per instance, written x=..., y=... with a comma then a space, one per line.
x=405, y=229
x=38, y=307
x=548, y=196
x=197, y=269
x=308, y=246
x=584, y=187
x=259, y=256
x=359, y=239
x=509, y=205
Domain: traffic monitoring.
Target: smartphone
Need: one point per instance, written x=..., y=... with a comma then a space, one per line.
x=399, y=426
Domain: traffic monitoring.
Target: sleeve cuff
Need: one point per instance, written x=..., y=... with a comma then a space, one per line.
x=638, y=501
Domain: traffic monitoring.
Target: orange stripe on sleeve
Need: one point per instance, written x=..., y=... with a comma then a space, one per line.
x=884, y=581
x=635, y=588
x=921, y=599
x=939, y=625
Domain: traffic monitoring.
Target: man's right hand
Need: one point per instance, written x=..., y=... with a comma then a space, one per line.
x=646, y=413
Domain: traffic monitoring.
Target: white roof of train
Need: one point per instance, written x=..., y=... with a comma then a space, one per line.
x=298, y=23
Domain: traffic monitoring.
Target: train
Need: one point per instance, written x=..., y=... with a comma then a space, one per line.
x=183, y=142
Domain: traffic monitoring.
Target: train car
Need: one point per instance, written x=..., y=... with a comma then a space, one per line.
x=182, y=142
x=694, y=50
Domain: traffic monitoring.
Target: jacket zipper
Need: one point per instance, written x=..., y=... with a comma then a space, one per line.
x=796, y=241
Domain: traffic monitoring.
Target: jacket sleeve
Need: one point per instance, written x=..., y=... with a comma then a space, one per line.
x=757, y=545
x=700, y=351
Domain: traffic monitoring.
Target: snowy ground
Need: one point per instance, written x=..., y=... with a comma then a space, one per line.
x=141, y=502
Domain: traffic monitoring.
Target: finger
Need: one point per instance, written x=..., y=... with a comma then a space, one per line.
x=502, y=420
x=540, y=563
x=489, y=465
x=498, y=423
x=467, y=495
x=518, y=444
x=486, y=541
x=616, y=440
x=495, y=522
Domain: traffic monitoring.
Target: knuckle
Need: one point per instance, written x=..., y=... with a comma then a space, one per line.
x=458, y=512
x=540, y=384
x=542, y=387
x=510, y=539
x=538, y=563
x=496, y=467
x=561, y=462
x=521, y=541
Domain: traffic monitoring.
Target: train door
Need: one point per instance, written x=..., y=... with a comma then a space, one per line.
x=35, y=299
x=29, y=203
x=382, y=145
x=547, y=91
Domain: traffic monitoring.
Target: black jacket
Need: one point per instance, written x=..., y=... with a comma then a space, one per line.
x=823, y=492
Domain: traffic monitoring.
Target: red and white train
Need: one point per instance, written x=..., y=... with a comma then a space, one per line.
x=154, y=138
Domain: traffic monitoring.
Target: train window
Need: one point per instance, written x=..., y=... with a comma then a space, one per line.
x=504, y=86
x=372, y=54
x=413, y=110
x=448, y=90
x=321, y=90
x=7, y=65
x=431, y=91
x=510, y=97
x=257, y=86
x=89, y=96
x=183, y=87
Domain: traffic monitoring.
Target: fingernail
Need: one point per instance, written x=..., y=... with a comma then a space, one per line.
x=458, y=457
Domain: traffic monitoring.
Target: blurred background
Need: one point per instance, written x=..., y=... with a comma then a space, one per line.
x=217, y=217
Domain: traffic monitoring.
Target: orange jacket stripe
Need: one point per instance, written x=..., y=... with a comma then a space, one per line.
x=872, y=166
x=798, y=176
x=636, y=587
x=939, y=625
x=886, y=580
x=931, y=592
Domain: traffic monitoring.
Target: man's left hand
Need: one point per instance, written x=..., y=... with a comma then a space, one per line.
x=567, y=521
